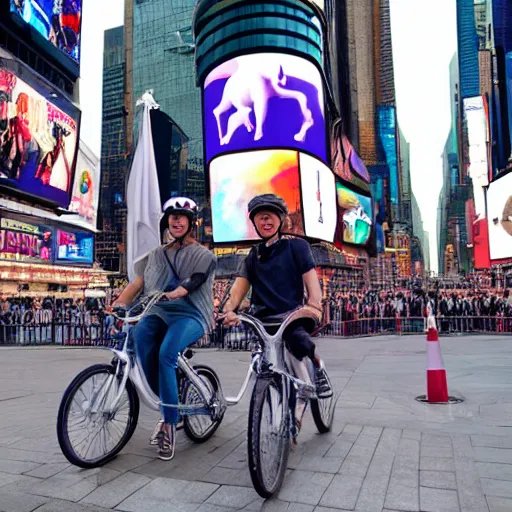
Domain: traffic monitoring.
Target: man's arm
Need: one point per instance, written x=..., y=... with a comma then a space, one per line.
x=313, y=289
x=130, y=293
x=237, y=295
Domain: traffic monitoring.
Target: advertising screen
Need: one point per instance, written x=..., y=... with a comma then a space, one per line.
x=499, y=208
x=478, y=170
x=347, y=164
x=58, y=21
x=356, y=210
x=318, y=198
x=86, y=189
x=74, y=247
x=38, y=143
x=235, y=179
x=21, y=241
x=266, y=100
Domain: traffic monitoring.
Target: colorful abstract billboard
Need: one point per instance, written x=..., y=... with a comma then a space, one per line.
x=264, y=101
x=38, y=143
x=58, y=21
x=76, y=247
x=236, y=179
x=86, y=189
x=318, y=198
x=21, y=241
x=499, y=208
x=356, y=211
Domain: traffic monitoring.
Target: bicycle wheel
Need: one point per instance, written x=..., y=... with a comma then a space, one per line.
x=322, y=410
x=200, y=427
x=268, y=440
x=87, y=439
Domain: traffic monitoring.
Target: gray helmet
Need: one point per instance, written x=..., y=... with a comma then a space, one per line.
x=269, y=202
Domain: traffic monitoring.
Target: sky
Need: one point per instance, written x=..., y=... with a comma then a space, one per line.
x=424, y=42
x=424, y=38
x=97, y=16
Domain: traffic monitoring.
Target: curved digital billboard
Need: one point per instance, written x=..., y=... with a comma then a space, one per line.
x=306, y=184
x=265, y=100
x=39, y=140
x=58, y=21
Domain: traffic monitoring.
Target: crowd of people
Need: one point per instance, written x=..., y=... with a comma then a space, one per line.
x=450, y=304
x=414, y=303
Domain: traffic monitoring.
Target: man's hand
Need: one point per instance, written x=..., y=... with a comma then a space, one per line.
x=315, y=310
x=230, y=319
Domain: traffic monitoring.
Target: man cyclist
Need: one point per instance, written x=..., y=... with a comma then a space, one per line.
x=278, y=269
x=186, y=268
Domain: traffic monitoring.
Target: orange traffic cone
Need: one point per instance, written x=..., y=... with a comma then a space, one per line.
x=437, y=387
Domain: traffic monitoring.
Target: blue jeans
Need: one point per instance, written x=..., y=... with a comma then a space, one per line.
x=157, y=345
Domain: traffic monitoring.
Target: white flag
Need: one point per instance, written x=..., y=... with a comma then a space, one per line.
x=143, y=193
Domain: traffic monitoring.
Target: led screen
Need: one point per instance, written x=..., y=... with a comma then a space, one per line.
x=38, y=142
x=357, y=215
x=476, y=125
x=499, y=207
x=21, y=241
x=318, y=198
x=262, y=101
x=85, y=196
x=347, y=164
x=58, y=21
x=235, y=179
x=76, y=247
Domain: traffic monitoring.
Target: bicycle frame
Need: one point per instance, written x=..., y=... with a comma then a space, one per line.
x=272, y=357
x=275, y=358
x=131, y=370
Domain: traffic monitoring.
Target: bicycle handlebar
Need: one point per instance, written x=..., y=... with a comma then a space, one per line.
x=123, y=313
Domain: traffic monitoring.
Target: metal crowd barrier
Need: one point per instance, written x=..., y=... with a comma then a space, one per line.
x=98, y=331
x=450, y=325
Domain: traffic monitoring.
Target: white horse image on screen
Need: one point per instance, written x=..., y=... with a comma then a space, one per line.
x=258, y=78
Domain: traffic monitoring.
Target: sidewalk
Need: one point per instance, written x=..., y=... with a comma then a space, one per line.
x=386, y=452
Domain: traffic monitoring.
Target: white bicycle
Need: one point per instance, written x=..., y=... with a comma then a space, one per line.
x=99, y=410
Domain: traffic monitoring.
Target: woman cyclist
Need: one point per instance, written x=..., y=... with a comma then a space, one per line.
x=185, y=270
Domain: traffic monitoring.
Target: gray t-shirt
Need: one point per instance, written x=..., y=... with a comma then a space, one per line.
x=187, y=260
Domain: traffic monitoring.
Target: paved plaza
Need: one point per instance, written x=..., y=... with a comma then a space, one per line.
x=386, y=451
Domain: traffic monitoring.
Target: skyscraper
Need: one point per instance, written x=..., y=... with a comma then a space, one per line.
x=163, y=60
x=112, y=213
x=468, y=49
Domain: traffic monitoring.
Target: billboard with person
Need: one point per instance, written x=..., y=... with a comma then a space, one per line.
x=39, y=137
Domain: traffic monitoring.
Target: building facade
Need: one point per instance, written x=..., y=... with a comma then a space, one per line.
x=114, y=163
x=162, y=59
x=50, y=179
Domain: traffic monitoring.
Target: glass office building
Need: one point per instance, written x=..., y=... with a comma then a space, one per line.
x=114, y=165
x=163, y=60
x=468, y=49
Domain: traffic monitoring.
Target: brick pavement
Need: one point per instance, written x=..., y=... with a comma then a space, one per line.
x=386, y=452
